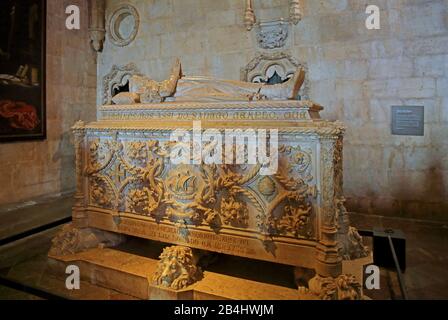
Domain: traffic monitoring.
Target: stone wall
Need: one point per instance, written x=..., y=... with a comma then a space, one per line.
x=46, y=168
x=357, y=74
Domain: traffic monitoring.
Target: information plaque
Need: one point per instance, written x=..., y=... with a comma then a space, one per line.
x=408, y=120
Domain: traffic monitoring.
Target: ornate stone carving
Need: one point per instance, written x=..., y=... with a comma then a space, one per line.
x=327, y=165
x=328, y=251
x=119, y=76
x=350, y=242
x=72, y=240
x=130, y=185
x=265, y=65
x=97, y=37
x=299, y=161
x=294, y=219
x=177, y=268
x=338, y=167
x=353, y=247
x=123, y=24
x=234, y=212
x=192, y=195
x=79, y=218
x=266, y=186
x=272, y=34
x=343, y=287
x=101, y=193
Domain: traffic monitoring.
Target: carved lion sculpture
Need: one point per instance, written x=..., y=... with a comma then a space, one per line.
x=177, y=268
x=71, y=240
x=344, y=287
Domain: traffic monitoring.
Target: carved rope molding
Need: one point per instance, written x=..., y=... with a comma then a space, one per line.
x=329, y=131
x=262, y=104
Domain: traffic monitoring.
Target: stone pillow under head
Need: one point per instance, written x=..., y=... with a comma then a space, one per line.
x=126, y=98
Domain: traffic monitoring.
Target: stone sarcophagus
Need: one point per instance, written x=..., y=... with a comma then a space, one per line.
x=260, y=179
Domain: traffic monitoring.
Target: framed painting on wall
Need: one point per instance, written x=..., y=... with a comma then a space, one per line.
x=22, y=70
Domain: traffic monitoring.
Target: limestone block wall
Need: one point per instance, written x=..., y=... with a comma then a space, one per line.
x=43, y=168
x=357, y=74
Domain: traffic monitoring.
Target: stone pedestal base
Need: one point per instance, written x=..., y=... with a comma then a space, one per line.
x=133, y=275
x=343, y=287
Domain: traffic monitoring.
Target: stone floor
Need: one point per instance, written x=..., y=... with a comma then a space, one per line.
x=16, y=219
x=25, y=260
x=426, y=275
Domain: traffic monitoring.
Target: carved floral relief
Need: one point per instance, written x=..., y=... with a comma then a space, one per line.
x=136, y=176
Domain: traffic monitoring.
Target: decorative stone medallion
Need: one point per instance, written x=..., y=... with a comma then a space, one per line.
x=123, y=25
x=266, y=186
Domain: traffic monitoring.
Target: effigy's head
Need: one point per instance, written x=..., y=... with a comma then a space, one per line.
x=177, y=268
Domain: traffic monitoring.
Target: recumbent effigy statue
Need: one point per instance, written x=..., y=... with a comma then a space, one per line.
x=127, y=185
x=206, y=89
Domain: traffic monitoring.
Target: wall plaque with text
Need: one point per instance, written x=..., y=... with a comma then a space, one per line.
x=408, y=120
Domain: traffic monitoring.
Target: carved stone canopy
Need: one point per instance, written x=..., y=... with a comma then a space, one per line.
x=264, y=66
x=118, y=77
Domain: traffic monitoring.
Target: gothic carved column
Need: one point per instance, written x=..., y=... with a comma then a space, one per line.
x=78, y=236
x=350, y=243
x=97, y=30
x=79, y=214
x=329, y=261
